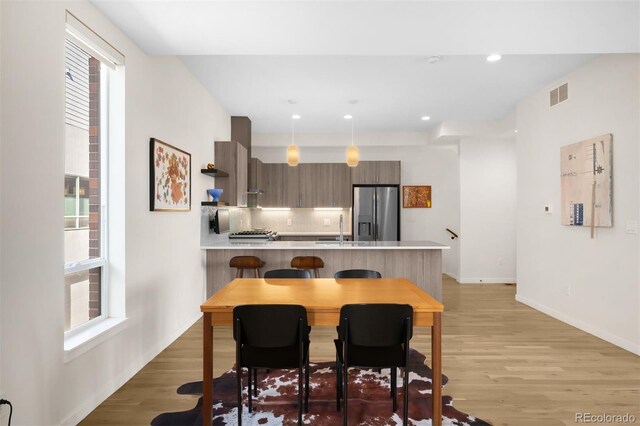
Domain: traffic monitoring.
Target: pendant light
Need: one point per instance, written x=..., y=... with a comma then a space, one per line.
x=353, y=155
x=293, y=153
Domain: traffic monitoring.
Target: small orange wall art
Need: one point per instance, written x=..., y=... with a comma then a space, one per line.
x=416, y=196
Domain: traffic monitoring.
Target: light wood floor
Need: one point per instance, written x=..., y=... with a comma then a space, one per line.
x=506, y=363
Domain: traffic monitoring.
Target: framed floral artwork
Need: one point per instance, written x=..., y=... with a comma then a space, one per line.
x=170, y=178
x=416, y=196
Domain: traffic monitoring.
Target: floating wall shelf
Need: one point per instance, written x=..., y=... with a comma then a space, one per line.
x=213, y=203
x=214, y=173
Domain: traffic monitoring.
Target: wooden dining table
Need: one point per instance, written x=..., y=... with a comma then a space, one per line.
x=323, y=298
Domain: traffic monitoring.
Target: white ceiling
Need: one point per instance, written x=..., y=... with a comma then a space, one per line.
x=393, y=93
x=255, y=55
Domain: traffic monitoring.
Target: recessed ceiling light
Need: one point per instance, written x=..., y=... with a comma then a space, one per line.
x=292, y=101
x=425, y=118
x=348, y=117
x=515, y=131
x=295, y=117
x=434, y=59
x=494, y=57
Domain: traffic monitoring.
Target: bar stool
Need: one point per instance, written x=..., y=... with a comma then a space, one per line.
x=308, y=262
x=246, y=262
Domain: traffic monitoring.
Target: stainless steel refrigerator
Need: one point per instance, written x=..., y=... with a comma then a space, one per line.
x=376, y=213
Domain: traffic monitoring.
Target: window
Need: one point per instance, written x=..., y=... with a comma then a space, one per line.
x=76, y=202
x=90, y=65
x=85, y=157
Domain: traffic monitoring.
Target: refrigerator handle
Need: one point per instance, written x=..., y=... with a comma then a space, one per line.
x=375, y=215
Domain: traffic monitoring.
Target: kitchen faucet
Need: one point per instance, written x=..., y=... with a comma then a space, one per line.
x=341, y=230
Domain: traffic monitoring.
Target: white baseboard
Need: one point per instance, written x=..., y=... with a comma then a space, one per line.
x=586, y=327
x=487, y=280
x=104, y=392
x=452, y=275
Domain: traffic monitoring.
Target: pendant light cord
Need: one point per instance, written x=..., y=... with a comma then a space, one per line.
x=292, y=124
x=351, y=131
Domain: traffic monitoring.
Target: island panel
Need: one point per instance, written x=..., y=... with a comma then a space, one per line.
x=423, y=267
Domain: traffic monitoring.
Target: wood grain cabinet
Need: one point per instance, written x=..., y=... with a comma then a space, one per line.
x=341, y=176
x=309, y=182
x=388, y=172
x=376, y=173
x=232, y=157
x=272, y=196
x=256, y=177
x=312, y=185
x=291, y=185
x=324, y=185
x=333, y=185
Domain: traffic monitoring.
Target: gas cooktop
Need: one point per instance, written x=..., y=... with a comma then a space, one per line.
x=255, y=234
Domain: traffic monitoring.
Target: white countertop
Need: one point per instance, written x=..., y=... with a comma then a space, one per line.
x=325, y=245
x=311, y=234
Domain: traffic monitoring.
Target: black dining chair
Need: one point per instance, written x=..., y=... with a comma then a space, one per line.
x=287, y=273
x=357, y=273
x=374, y=335
x=271, y=336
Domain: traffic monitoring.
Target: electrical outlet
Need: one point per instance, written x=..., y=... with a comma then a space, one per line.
x=567, y=290
x=327, y=222
x=289, y=221
x=548, y=209
x=632, y=227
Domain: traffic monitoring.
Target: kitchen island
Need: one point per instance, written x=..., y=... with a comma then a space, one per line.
x=418, y=261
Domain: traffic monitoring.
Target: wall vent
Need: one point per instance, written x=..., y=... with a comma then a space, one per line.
x=559, y=94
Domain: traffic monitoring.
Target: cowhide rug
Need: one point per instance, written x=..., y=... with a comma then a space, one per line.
x=276, y=404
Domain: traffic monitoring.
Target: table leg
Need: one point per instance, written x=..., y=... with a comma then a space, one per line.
x=436, y=367
x=207, y=369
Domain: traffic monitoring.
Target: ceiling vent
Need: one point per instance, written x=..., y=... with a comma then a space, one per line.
x=559, y=94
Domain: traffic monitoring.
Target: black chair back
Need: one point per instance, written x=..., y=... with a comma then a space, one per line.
x=287, y=273
x=270, y=326
x=376, y=324
x=357, y=273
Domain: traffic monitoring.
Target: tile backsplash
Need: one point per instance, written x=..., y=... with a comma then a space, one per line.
x=301, y=220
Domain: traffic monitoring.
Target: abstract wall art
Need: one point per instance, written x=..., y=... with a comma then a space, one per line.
x=416, y=196
x=586, y=179
x=170, y=178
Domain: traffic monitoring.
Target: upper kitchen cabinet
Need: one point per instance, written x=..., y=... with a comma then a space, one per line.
x=364, y=173
x=341, y=185
x=388, y=172
x=272, y=185
x=291, y=185
x=241, y=133
x=232, y=157
x=376, y=173
x=309, y=180
x=307, y=185
x=256, y=174
x=332, y=185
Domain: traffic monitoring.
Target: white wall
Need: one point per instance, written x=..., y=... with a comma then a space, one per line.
x=2, y=411
x=164, y=274
x=487, y=211
x=591, y=284
x=421, y=165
